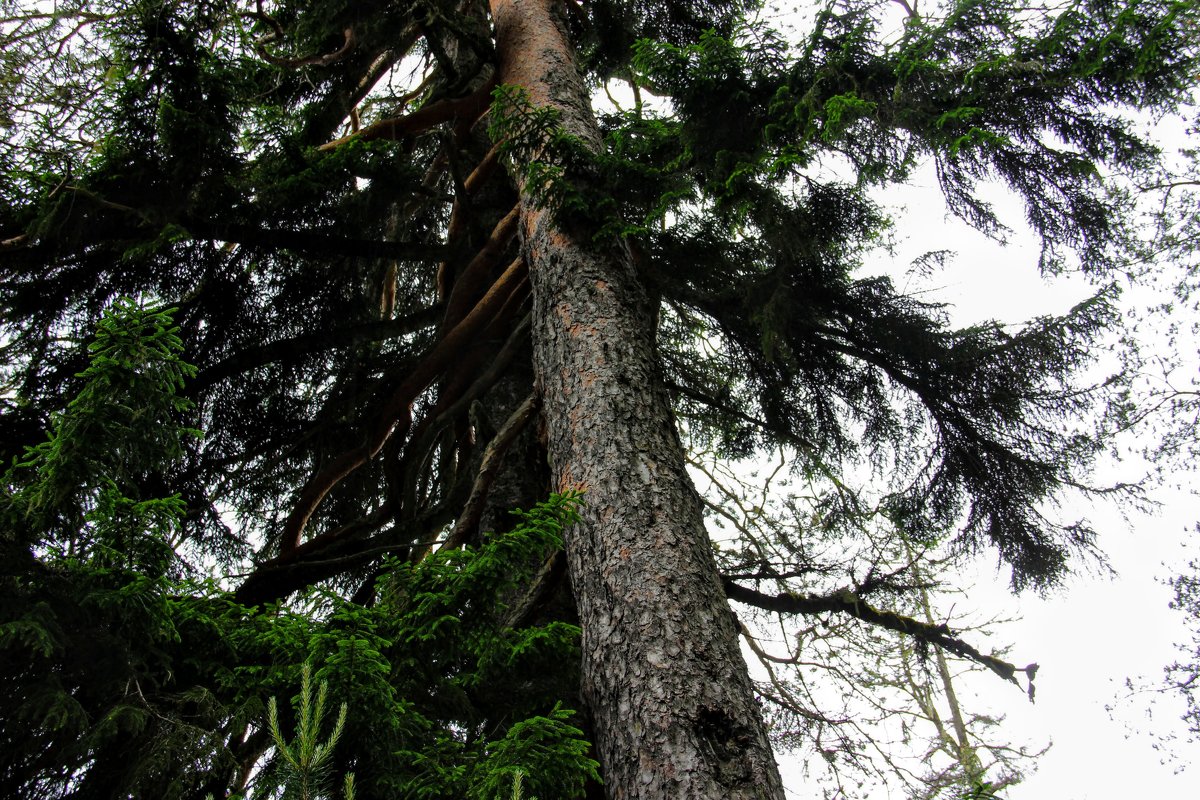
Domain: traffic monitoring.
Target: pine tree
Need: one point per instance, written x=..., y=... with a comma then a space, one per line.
x=422, y=282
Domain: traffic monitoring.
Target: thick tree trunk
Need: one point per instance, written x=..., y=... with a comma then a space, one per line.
x=674, y=710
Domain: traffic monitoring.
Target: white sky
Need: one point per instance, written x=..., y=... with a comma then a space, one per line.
x=1099, y=631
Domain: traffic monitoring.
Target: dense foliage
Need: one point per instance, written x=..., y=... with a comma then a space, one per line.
x=308, y=459
x=120, y=671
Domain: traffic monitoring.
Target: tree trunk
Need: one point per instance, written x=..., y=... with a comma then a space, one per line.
x=674, y=710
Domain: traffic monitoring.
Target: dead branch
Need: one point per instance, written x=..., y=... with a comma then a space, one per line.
x=423, y=438
x=493, y=456
x=851, y=604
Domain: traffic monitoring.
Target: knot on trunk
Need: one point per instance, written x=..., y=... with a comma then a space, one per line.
x=725, y=743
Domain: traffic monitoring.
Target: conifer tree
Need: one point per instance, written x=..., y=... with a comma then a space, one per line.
x=423, y=282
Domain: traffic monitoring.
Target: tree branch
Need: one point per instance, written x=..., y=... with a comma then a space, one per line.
x=424, y=118
x=847, y=602
x=298, y=346
x=493, y=456
x=310, y=61
x=471, y=282
x=397, y=413
x=313, y=241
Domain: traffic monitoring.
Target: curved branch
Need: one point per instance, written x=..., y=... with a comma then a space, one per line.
x=458, y=218
x=396, y=413
x=424, y=118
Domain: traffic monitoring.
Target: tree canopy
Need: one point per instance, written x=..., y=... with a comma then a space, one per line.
x=278, y=321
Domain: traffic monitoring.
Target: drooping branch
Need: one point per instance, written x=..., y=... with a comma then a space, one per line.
x=347, y=548
x=851, y=604
x=725, y=407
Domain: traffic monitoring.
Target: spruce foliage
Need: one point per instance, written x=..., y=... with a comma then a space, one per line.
x=318, y=196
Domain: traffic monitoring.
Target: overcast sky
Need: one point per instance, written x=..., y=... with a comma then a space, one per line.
x=1098, y=631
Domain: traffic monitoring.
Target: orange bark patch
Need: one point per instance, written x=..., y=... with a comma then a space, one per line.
x=576, y=331
x=559, y=239
x=569, y=484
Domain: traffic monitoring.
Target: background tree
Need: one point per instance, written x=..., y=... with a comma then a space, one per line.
x=396, y=235
x=863, y=711
x=1159, y=410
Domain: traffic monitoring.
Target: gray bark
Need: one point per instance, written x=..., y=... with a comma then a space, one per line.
x=674, y=710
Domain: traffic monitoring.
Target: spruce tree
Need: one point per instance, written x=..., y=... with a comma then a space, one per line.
x=422, y=282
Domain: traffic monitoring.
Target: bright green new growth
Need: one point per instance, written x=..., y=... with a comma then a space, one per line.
x=306, y=762
x=517, y=791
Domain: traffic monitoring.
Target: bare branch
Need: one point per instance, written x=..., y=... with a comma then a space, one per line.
x=847, y=602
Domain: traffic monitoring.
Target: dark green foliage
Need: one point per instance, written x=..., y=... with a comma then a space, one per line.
x=764, y=253
x=983, y=95
x=88, y=622
x=88, y=483
x=189, y=153
x=769, y=263
x=119, y=678
x=613, y=27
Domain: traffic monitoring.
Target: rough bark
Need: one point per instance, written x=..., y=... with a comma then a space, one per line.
x=674, y=710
